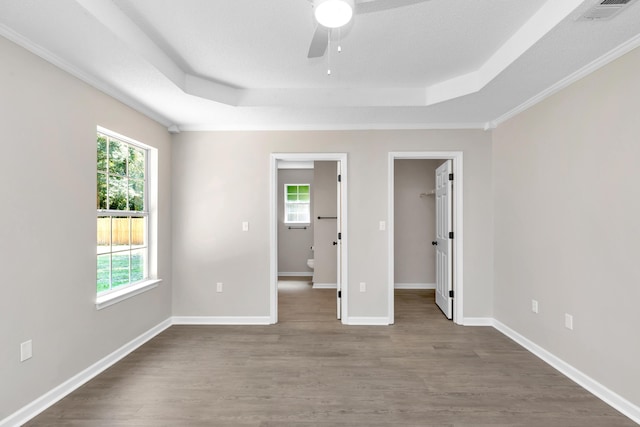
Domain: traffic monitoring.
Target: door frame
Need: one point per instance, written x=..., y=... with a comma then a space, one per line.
x=341, y=158
x=458, y=242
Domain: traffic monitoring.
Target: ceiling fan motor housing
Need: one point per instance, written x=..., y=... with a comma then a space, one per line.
x=333, y=13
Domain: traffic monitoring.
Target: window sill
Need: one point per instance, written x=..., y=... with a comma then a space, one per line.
x=105, y=301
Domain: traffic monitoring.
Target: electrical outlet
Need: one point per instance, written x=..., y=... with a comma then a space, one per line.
x=219, y=287
x=363, y=287
x=245, y=225
x=568, y=321
x=382, y=226
x=534, y=306
x=26, y=350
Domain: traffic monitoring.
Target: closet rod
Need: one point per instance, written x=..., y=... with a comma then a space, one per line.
x=327, y=217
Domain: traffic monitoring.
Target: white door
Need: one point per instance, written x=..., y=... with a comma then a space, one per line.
x=339, y=243
x=443, y=240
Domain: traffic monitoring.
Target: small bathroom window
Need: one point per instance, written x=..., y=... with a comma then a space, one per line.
x=297, y=203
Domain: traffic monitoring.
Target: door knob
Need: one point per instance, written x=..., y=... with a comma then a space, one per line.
x=434, y=243
x=335, y=243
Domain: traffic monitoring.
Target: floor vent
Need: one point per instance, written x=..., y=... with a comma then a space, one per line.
x=605, y=9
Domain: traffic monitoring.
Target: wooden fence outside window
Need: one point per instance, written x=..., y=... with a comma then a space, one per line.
x=116, y=231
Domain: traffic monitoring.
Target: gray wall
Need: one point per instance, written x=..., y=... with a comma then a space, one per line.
x=209, y=246
x=325, y=231
x=567, y=227
x=48, y=228
x=294, y=245
x=414, y=221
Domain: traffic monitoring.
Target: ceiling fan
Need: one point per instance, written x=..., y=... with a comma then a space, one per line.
x=332, y=14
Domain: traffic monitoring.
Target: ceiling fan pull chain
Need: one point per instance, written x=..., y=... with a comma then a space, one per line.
x=339, y=40
x=329, y=52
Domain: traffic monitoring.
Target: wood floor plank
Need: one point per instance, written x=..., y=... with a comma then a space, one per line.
x=310, y=370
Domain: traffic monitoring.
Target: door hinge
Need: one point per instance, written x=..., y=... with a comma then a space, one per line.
x=339, y=178
x=450, y=294
x=451, y=234
x=339, y=236
x=450, y=177
x=339, y=294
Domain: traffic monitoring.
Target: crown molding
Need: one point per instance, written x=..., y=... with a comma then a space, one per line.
x=100, y=85
x=593, y=66
x=334, y=127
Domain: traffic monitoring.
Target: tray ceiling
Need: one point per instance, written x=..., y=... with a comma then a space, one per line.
x=242, y=64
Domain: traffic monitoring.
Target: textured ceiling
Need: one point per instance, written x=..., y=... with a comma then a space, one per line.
x=242, y=64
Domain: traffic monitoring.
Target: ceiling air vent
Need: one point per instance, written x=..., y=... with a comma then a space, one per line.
x=614, y=2
x=605, y=9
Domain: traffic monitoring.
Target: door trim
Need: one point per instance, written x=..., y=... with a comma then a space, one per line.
x=458, y=243
x=273, y=226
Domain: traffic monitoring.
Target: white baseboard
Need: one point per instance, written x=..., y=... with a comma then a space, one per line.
x=221, y=320
x=367, y=321
x=324, y=286
x=414, y=286
x=53, y=396
x=478, y=321
x=295, y=273
x=603, y=393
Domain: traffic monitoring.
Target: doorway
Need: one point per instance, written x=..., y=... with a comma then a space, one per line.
x=321, y=222
x=447, y=194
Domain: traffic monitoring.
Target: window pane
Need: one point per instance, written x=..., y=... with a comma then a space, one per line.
x=304, y=197
x=102, y=152
x=136, y=195
x=136, y=163
x=292, y=197
x=117, y=157
x=292, y=189
x=104, y=272
x=102, y=191
x=138, y=227
x=138, y=265
x=304, y=189
x=297, y=212
x=121, y=240
x=117, y=193
x=104, y=235
x=120, y=269
x=120, y=233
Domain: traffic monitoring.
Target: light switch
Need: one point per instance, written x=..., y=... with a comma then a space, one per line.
x=26, y=350
x=383, y=226
x=568, y=321
x=245, y=226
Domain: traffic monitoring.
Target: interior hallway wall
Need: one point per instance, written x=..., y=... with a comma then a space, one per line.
x=325, y=198
x=48, y=228
x=566, y=224
x=415, y=221
x=210, y=246
x=294, y=245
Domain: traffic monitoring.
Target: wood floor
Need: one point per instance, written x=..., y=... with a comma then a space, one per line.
x=309, y=370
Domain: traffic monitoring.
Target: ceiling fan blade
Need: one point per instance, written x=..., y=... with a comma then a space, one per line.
x=319, y=42
x=368, y=6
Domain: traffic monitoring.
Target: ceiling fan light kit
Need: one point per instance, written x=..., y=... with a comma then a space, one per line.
x=333, y=13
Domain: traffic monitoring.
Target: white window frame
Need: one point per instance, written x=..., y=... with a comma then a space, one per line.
x=115, y=295
x=287, y=203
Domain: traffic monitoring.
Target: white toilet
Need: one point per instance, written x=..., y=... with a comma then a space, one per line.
x=310, y=261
